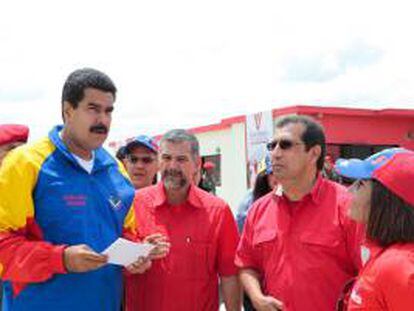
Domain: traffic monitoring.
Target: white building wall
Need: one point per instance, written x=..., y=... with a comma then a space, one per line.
x=230, y=143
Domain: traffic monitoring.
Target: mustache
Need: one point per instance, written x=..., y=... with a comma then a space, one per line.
x=173, y=173
x=99, y=128
x=174, y=178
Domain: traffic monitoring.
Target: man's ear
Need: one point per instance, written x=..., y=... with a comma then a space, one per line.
x=67, y=111
x=198, y=162
x=316, y=152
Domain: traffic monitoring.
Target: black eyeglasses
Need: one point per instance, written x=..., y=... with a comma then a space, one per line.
x=283, y=144
x=146, y=159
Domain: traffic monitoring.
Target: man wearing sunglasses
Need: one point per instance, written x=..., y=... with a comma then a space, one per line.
x=298, y=247
x=141, y=161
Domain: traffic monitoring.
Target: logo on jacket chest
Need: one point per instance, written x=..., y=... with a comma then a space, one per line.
x=75, y=200
x=115, y=202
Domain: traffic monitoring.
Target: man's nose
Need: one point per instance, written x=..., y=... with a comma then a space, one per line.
x=175, y=164
x=139, y=163
x=104, y=118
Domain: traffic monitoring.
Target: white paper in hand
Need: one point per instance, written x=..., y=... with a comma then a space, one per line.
x=123, y=252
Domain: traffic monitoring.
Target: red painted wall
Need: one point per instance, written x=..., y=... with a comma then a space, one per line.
x=361, y=126
x=369, y=130
x=348, y=125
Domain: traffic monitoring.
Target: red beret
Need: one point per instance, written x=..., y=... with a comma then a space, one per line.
x=10, y=133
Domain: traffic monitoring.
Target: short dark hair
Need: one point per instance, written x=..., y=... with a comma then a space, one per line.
x=81, y=79
x=391, y=219
x=180, y=135
x=121, y=153
x=313, y=135
x=261, y=186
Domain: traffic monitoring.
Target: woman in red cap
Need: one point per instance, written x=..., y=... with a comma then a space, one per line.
x=384, y=201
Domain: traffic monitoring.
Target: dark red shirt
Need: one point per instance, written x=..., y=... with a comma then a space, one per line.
x=203, y=237
x=304, y=251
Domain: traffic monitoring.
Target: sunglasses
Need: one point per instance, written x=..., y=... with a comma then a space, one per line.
x=284, y=144
x=146, y=160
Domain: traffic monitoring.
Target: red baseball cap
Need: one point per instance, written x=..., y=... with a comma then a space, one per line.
x=10, y=133
x=398, y=176
x=394, y=168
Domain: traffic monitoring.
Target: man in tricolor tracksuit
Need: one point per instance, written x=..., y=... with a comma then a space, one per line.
x=63, y=200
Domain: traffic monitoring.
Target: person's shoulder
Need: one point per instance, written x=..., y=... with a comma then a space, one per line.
x=209, y=202
x=264, y=204
x=396, y=264
x=26, y=161
x=334, y=191
x=145, y=200
x=208, y=199
x=265, y=200
x=397, y=254
x=331, y=185
x=32, y=153
x=150, y=192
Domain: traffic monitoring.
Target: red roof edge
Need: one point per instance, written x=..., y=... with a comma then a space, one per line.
x=302, y=109
x=299, y=109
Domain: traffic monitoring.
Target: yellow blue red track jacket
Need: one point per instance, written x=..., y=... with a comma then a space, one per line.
x=48, y=202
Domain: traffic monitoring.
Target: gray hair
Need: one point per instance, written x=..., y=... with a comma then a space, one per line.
x=179, y=136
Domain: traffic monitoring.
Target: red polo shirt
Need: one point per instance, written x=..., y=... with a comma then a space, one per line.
x=387, y=281
x=304, y=251
x=203, y=237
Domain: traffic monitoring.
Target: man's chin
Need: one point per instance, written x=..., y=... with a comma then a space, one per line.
x=138, y=185
x=99, y=139
x=174, y=185
x=97, y=144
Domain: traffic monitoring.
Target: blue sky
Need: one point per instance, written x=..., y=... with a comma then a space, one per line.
x=187, y=63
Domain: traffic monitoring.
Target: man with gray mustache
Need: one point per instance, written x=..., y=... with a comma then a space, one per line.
x=200, y=228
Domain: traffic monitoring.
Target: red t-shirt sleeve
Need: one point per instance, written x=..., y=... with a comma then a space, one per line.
x=227, y=243
x=245, y=256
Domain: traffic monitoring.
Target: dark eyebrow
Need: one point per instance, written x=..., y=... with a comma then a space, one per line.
x=182, y=157
x=96, y=105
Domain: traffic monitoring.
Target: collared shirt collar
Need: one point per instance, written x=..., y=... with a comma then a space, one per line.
x=193, y=198
x=315, y=194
